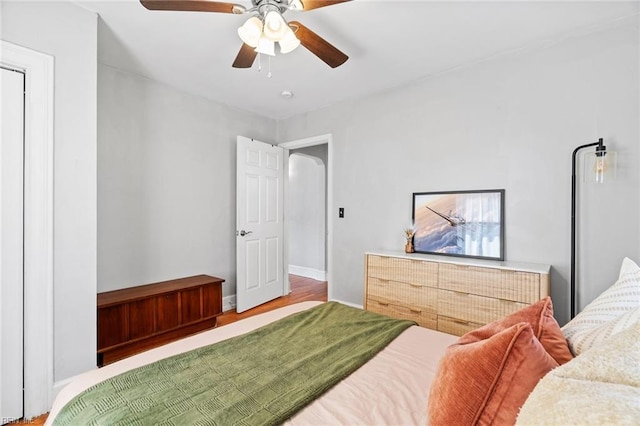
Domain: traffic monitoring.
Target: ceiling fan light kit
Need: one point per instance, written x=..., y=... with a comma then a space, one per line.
x=274, y=26
x=295, y=5
x=264, y=33
x=265, y=27
x=288, y=42
x=266, y=47
x=251, y=31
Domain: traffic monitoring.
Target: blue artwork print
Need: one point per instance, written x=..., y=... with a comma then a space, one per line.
x=467, y=223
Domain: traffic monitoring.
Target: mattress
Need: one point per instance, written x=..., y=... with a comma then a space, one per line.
x=392, y=388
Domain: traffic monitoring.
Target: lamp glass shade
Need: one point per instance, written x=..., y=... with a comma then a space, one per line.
x=274, y=26
x=266, y=47
x=251, y=31
x=600, y=167
x=289, y=41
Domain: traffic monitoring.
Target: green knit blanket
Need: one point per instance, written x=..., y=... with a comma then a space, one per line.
x=259, y=378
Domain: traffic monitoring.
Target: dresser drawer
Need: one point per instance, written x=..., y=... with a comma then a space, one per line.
x=404, y=294
x=455, y=326
x=410, y=271
x=448, y=295
x=474, y=308
x=424, y=317
x=497, y=283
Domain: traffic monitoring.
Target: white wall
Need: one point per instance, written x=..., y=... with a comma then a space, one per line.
x=306, y=216
x=166, y=182
x=38, y=26
x=507, y=123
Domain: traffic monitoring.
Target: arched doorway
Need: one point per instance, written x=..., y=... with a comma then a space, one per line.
x=307, y=212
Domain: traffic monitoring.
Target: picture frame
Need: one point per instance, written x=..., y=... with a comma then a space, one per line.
x=460, y=223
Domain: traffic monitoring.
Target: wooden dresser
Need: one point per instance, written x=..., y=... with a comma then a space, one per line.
x=135, y=319
x=452, y=295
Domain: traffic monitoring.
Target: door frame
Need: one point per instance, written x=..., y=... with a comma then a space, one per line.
x=38, y=223
x=12, y=205
x=303, y=143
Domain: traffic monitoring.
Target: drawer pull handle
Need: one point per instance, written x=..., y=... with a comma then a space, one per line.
x=383, y=304
x=415, y=311
x=415, y=285
x=461, y=322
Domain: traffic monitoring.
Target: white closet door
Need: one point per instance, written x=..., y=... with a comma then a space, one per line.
x=11, y=244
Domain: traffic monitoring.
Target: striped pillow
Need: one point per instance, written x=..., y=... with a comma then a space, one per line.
x=611, y=312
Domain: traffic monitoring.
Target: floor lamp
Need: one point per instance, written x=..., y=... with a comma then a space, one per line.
x=601, y=165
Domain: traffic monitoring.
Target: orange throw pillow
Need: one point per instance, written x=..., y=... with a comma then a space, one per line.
x=545, y=328
x=486, y=382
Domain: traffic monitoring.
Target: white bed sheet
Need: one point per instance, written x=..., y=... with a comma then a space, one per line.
x=390, y=389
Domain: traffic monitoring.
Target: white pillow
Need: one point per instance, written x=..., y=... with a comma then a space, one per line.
x=611, y=312
x=600, y=387
x=628, y=267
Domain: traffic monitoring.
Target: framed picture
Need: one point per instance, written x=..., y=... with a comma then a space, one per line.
x=460, y=223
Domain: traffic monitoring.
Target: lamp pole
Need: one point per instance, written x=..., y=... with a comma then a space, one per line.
x=600, y=150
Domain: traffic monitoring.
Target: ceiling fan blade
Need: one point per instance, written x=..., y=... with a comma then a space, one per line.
x=246, y=56
x=318, y=46
x=315, y=4
x=193, y=6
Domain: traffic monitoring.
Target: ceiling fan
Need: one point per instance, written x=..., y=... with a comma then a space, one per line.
x=265, y=27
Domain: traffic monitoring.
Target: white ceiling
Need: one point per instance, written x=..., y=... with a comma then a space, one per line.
x=389, y=43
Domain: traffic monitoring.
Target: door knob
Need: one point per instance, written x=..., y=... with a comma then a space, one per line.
x=243, y=233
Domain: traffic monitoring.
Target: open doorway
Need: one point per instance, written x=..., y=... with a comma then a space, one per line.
x=307, y=212
x=309, y=257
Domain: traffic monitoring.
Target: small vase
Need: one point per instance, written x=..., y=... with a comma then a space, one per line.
x=408, y=248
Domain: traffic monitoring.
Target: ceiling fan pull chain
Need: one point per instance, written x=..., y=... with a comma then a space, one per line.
x=269, y=65
x=259, y=62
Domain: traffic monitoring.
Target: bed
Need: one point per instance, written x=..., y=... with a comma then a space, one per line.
x=391, y=388
x=521, y=369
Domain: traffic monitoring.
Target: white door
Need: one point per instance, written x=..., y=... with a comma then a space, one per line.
x=259, y=223
x=11, y=244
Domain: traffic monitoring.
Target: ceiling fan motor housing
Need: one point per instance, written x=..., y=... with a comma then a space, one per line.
x=263, y=6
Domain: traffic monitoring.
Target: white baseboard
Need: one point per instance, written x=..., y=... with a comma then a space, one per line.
x=308, y=272
x=228, y=303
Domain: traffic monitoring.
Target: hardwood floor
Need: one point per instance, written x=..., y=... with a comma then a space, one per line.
x=302, y=290
x=37, y=421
